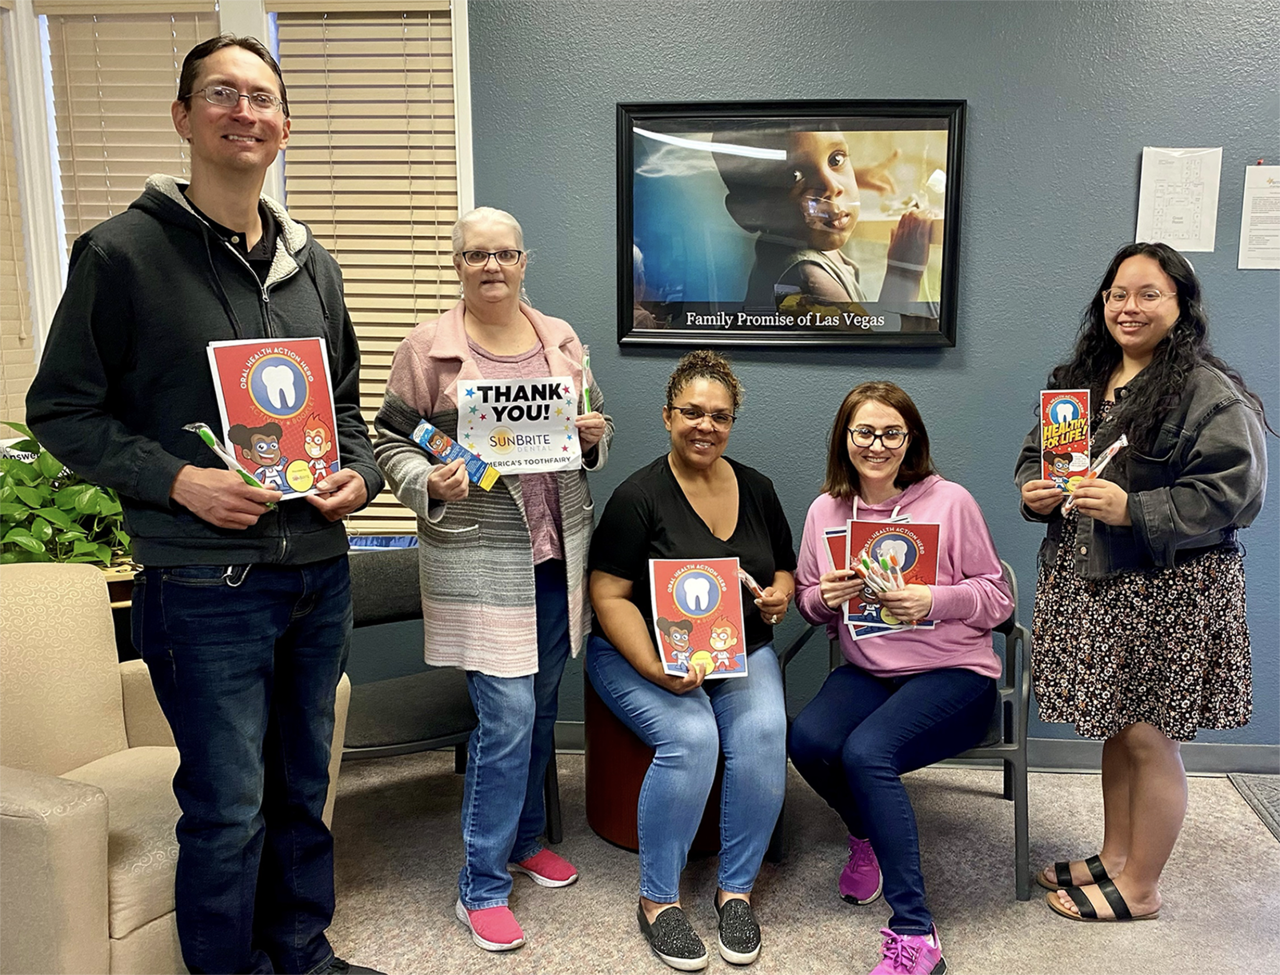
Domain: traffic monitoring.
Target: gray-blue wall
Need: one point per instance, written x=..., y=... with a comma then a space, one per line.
x=1062, y=98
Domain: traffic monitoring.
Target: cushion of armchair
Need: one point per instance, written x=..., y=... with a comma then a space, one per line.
x=144, y=722
x=53, y=857
x=142, y=850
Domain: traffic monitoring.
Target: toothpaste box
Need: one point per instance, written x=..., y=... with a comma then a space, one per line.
x=441, y=445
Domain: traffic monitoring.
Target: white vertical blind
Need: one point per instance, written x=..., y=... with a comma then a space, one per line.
x=114, y=78
x=17, y=346
x=371, y=167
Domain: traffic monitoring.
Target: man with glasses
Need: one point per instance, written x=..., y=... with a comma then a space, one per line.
x=244, y=608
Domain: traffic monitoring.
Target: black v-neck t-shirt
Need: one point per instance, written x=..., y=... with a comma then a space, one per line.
x=648, y=517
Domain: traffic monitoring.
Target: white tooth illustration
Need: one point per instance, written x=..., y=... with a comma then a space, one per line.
x=1063, y=412
x=696, y=591
x=895, y=547
x=279, y=383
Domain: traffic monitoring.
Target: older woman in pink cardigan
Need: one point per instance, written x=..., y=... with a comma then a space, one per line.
x=503, y=572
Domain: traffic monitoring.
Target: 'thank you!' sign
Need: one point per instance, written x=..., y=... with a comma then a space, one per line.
x=520, y=426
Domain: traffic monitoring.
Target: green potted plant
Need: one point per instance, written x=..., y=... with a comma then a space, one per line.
x=50, y=514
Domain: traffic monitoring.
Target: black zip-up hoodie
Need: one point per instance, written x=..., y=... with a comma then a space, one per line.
x=125, y=368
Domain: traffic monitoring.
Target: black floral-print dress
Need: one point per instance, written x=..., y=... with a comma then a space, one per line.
x=1166, y=646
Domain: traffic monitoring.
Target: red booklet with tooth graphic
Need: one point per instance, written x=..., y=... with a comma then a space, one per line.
x=697, y=616
x=276, y=401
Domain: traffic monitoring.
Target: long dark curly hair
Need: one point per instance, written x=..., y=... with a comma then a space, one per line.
x=1157, y=389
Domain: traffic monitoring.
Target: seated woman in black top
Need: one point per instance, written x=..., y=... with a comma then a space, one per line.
x=694, y=503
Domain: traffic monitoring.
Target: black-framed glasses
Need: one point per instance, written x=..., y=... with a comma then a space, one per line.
x=890, y=439
x=507, y=258
x=1147, y=298
x=262, y=102
x=719, y=420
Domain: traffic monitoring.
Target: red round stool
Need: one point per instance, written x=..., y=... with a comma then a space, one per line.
x=616, y=763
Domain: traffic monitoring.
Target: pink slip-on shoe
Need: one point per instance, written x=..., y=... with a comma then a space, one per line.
x=910, y=954
x=860, y=880
x=547, y=869
x=493, y=929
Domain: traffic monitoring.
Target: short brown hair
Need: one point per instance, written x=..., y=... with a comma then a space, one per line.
x=704, y=364
x=842, y=477
x=195, y=57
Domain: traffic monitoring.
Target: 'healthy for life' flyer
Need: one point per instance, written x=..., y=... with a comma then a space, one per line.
x=1064, y=435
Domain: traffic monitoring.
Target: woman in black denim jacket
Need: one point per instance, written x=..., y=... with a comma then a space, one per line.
x=1140, y=631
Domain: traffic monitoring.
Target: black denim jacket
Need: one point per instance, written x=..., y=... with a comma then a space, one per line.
x=1204, y=478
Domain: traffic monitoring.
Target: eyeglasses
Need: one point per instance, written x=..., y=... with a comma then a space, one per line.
x=507, y=258
x=890, y=439
x=262, y=102
x=721, y=421
x=1146, y=298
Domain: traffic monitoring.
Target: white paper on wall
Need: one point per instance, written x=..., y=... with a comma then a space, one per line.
x=1260, y=218
x=1178, y=197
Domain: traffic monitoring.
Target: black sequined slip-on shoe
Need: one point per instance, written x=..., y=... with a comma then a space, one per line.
x=739, y=932
x=673, y=939
x=336, y=966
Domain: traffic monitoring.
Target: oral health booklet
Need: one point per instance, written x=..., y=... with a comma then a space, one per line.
x=275, y=397
x=440, y=444
x=890, y=556
x=1064, y=436
x=697, y=616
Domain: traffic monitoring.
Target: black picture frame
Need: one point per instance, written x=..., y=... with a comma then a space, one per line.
x=738, y=223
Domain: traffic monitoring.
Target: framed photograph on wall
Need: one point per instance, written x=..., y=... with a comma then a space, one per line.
x=789, y=223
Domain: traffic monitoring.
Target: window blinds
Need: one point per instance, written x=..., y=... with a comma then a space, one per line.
x=17, y=348
x=371, y=167
x=114, y=77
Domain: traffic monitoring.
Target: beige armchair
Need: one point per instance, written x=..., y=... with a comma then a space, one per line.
x=87, y=812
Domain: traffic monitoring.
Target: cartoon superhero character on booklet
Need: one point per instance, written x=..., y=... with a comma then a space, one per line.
x=677, y=633
x=261, y=445
x=724, y=635
x=1066, y=467
x=317, y=441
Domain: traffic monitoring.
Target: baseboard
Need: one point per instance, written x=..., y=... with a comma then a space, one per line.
x=1073, y=754
x=1070, y=754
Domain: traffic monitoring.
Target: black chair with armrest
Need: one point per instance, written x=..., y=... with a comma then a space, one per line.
x=1006, y=737
x=421, y=711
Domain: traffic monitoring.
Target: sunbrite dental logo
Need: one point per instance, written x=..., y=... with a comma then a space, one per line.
x=502, y=440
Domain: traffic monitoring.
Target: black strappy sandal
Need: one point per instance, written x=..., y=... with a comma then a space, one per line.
x=1119, y=909
x=1062, y=869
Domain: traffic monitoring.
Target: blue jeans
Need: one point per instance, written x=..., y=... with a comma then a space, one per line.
x=503, y=812
x=245, y=662
x=860, y=733
x=745, y=718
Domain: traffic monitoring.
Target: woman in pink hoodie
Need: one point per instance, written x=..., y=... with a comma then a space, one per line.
x=905, y=697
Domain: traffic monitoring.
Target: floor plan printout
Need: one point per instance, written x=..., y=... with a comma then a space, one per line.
x=1178, y=197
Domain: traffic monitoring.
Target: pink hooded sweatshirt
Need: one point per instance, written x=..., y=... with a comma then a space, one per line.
x=970, y=598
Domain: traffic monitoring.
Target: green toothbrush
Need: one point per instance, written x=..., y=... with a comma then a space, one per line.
x=204, y=433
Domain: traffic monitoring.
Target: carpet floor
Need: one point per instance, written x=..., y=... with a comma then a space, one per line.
x=399, y=850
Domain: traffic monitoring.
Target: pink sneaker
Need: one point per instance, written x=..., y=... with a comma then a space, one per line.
x=547, y=869
x=493, y=929
x=910, y=954
x=860, y=880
